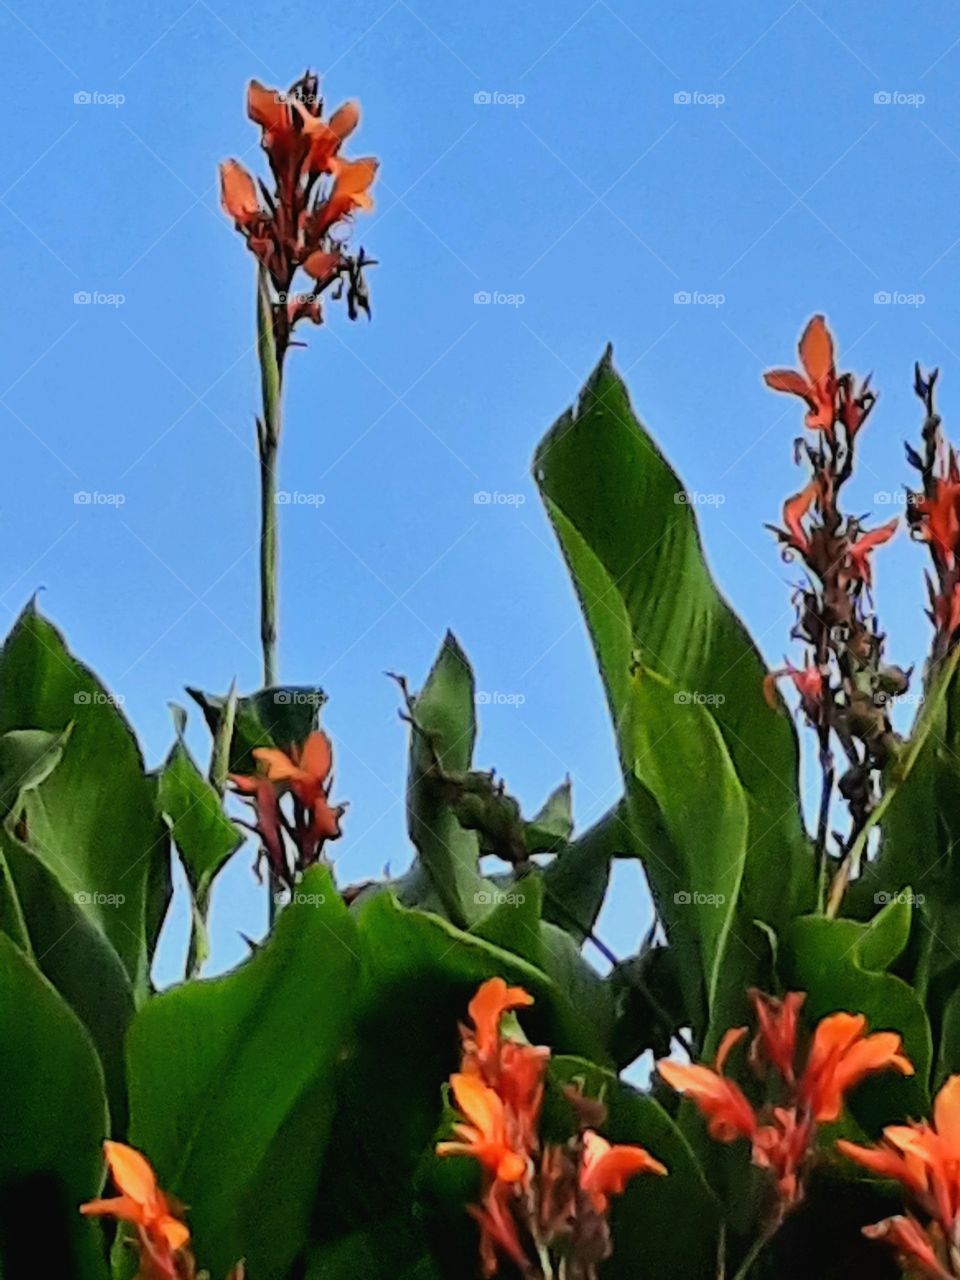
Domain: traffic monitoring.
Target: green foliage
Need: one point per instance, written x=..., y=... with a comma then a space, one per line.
x=53, y=1117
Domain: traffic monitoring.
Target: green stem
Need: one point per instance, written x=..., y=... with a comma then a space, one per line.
x=756, y=1249
x=271, y=348
x=269, y=551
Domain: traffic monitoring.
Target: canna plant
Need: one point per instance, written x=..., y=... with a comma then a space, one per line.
x=314, y=1114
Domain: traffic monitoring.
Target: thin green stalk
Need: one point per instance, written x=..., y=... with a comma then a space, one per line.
x=270, y=351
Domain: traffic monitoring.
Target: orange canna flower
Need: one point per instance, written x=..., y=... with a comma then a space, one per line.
x=912, y=1245
x=485, y=1137
x=777, y=1021
x=936, y=519
x=818, y=384
x=727, y=1109
x=794, y=510
x=493, y=999
x=924, y=1158
x=841, y=1055
x=607, y=1169
x=141, y=1202
x=268, y=827
x=498, y=1229
x=306, y=772
x=858, y=555
x=238, y=194
x=352, y=182
x=326, y=137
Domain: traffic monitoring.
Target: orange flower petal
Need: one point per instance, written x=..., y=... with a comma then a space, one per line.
x=321, y=265
x=317, y=756
x=816, y=350
x=123, y=1208
x=280, y=768
x=267, y=108
x=345, y=119
x=787, y=380
x=238, y=193
x=727, y=1109
x=946, y=1114
x=132, y=1173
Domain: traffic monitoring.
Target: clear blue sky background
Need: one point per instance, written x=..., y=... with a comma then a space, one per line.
x=597, y=198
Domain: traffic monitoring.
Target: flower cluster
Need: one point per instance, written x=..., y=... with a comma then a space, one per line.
x=844, y=685
x=539, y=1200
x=925, y=1159
x=799, y=1098
x=315, y=189
x=304, y=774
x=933, y=514
x=163, y=1238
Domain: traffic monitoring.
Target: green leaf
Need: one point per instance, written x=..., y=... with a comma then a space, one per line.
x=277, y=717
x=53, y=1118
x=841, y=964
x=203, y=834
x=662, y=1226
x=27, y=758
x=676, y=756
x=629, y=535
x=419, y=974
x=552, y=826
x=78, y=960
x=218, y=1067
x=92, y=821
x=394, y=1249
x=445, y=733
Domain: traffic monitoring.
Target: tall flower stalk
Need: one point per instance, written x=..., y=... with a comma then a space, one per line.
x=296, y=225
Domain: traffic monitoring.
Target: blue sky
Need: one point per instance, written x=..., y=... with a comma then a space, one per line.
x=586, y=192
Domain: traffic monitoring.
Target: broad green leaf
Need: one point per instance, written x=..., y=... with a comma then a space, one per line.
x=53, y=1119
x=662, y=1226
x=629, y=535
x=395, y=1249
x=203, y=834
x=278, y=717
x=674, y=754
x=552, y=826
x=444, y=734
x=218, y=1067
x=419, y=974
x=92, y=821
x=79, y=961
x=841, y=964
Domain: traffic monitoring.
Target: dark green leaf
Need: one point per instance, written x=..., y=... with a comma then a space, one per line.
x=53, y=1118
x=217, y=1068
x=280, y=717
